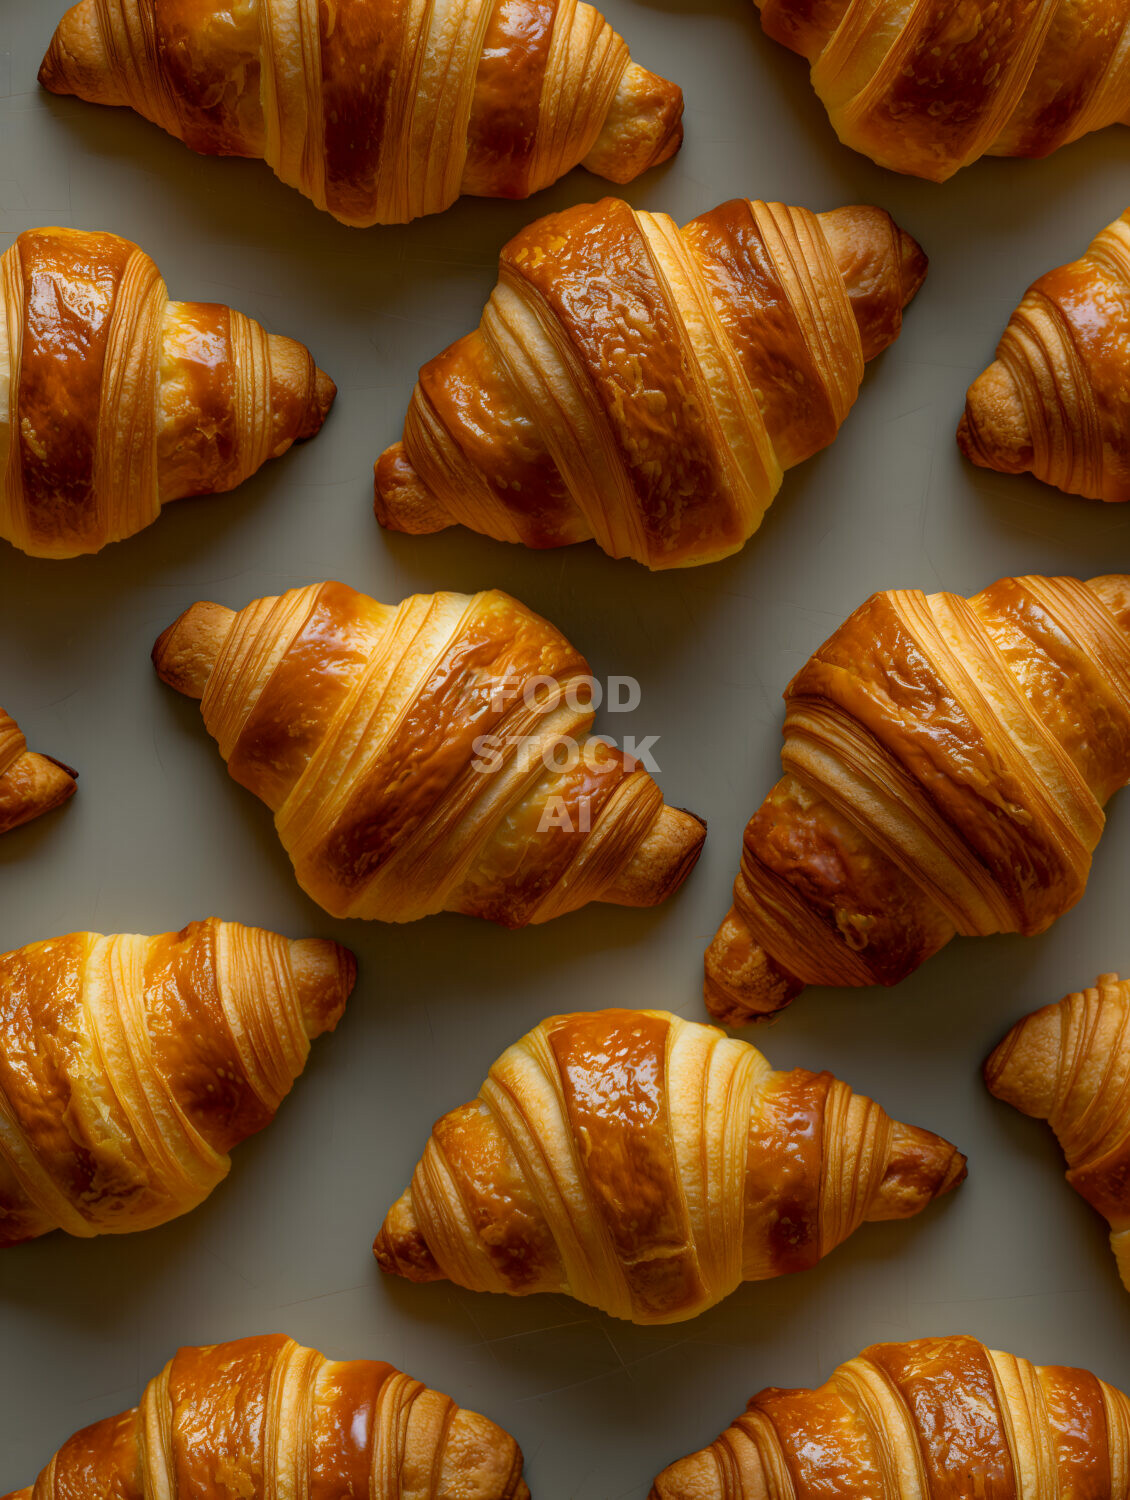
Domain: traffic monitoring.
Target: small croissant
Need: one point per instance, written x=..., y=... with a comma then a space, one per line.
x=115, y=401
x=264, y=1417
x=945, y=1418
x=648, y=386
x=929, y=87
x=1069, y=1064
x=432, y=756
x=30, y=784
x=647, y=1165
x=1053, y=403
x=379, y=110
x=947, y=762
x=131, y=1066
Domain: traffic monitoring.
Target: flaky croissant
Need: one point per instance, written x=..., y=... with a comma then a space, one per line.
x=30, y=784
x=130, y=1067
x=947, y=762
x=646, y=1165
x=379, y=110
x=1054, y=401
x=647, y=386
x=264, y=1417
x=1069, y=1064
x=929, y=86
x=115, y=401
x=432, y=756
x=942, y=1417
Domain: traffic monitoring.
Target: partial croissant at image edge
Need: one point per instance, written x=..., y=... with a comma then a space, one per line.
x=696, y=1164
x=761, y=320
x=31, y=784
x=852, y=873
x=121, y=402
x=503, y=106
x=937, y=1408
x=132, y=1066
x=260, y=1410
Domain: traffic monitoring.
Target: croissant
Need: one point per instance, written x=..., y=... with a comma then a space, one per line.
x=1069, y=1064
x=379, y=110
x=1053, y=401
x=432, y=756
x=939, y=1417
x=266, y=1417
x=115, y=401
x=130, y=1067
x=946, y=762
x=30, y=784
x=646, y=386
x=930, y=86
x=646, y=1165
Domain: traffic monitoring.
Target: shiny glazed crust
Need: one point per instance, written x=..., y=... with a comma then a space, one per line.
x=647, y=1165
x=115, y=401
x=1069, y=1064
x=647, y=386
x=1053, y=402
x=246, y=1418
x=946, y=763
x=30, y=784
x=408, y=755
x=943, y=1417
x=928, y=86
x=379, y=110
x=131, y=1066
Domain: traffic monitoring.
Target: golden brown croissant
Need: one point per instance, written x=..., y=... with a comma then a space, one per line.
x=646, y=1165
x=30, y=784
x=379, y=110
x=434, y=756
x=130, y=1067
x=1069, y=1064
x=945, y=1418
x=947, y=762
x=928, y=86
x=115, y=401
x=265, y=1417
x=646, y=386
x=1053, y=402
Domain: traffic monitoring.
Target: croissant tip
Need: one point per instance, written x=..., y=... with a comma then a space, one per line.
x=401, y=499
x=742, y=983
x=325, y=974
x=186, y=652
x=662, y=862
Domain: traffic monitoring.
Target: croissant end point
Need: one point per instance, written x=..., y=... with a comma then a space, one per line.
x=742, y=983
x=1023, y=1068
x=401, y=499
x=325, y=393
x=400, y=1247
x=913, y=266
x=76, y=62
x=186, y=652
x=662, y=862
x=922, y=1166
x=324, y=973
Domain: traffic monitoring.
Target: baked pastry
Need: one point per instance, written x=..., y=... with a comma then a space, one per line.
x=646, y=1165
x=1053, y=402
x=941, y=1417
x=646, y=386
x=130, y=1067
x=946, y=762
x=1069, y=1064
x=432, y=756
x=266, y=1417
x=930, y=87
x=115, y=401
x=30, y=784
x=376, y=110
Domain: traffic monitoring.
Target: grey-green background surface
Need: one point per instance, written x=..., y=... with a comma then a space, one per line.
x=159, y=835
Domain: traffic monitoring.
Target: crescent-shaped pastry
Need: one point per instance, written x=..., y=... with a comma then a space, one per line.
x=30, y=784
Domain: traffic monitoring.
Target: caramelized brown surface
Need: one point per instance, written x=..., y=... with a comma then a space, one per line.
x=243, y=1419
x=131, y=1066
x=646, y=1165
x=430, y=757
x=115, y=401
x=647, y=387
x=30, y=784
x=379, y=110
x=946, y=1415
x=1053, y=402
x=906, y=81
x=947, y=762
